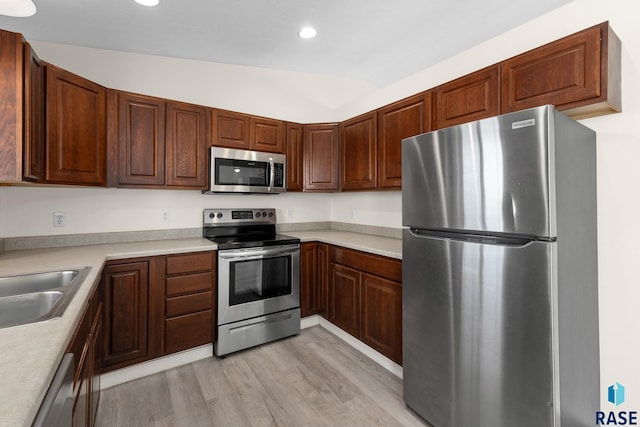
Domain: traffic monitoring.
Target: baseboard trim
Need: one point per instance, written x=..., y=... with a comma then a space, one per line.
x=139, y=370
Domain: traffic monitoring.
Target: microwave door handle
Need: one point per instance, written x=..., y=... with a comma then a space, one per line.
x=272, y=174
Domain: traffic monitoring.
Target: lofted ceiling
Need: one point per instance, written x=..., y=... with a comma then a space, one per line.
x=373, y=40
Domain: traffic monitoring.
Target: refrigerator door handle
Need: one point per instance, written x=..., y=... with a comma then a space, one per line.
x=473, y=238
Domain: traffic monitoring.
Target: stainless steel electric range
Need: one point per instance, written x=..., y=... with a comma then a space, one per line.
x=258, y=278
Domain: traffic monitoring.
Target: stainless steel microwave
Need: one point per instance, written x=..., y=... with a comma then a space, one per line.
x=244, y=171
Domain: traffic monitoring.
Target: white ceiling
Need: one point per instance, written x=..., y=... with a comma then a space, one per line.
x=374, y=40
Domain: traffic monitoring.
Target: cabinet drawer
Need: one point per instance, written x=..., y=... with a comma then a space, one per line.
x=188, y=263
x=388, y=268
x=189, y=283
x=190, y=330
x=188, y=304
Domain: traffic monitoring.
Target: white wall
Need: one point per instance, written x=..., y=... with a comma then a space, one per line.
x=306, y=98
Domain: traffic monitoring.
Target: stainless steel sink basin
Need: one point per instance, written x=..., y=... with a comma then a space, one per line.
x=35, y=297
x=36, y=282
x=20, y=309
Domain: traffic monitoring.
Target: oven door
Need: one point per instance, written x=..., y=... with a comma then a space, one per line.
x=257, y=281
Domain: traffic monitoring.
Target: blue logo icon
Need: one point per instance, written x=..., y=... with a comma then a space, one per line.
x=616, y=394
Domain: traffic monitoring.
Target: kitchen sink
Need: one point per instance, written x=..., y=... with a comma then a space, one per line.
x=35, y=297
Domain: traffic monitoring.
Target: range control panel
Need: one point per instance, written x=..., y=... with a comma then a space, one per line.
x=214, y=217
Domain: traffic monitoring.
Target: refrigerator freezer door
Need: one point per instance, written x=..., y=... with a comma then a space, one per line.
x=477, y=341
x=490, y=176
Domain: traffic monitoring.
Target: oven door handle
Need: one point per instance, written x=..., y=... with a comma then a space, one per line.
x=258, y=253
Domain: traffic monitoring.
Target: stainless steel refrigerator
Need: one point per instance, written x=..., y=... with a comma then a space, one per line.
x=500, y=301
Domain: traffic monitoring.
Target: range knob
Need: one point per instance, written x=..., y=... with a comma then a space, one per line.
x=212, y=215
x=270, y=214
x=219, y=215
x=264, y=214
x=257, y=214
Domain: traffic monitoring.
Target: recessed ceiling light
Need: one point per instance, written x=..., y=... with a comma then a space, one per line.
x=17, y=8
x=307, y=32
x=148, y=2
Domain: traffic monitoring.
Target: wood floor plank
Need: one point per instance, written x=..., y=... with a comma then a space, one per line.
x=310, y=380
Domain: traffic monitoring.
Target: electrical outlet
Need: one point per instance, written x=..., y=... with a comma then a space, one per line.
x=59, y=219
x=289, y=212
x=165, y=216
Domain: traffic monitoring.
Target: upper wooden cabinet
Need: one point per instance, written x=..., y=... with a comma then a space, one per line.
x=321, y=150
x=186, y=144
x=76, y=129
x=11, y=115
x=267, y=135
x=34, y=161
x=245, y=132
x=157, y=142
x=579, y=73
x=359, y=150
x=409, y=117
x=472, y=97
x=295, y=162
x=231, y=129
x=137, y=126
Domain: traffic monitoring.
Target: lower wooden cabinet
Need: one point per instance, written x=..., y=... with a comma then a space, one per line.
x=86, y=347
x=126, y=313
x=313, y=278
x=157, y=305
x=365, y=299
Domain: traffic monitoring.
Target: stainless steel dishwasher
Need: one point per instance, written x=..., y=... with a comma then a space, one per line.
x=57, y=407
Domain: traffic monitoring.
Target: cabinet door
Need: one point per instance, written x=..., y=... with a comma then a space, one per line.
x=345, y=298
x=231, y=130
x=267, y=135
x=76, y=129
x=141, y=140
x=472, y=97
x=409, y=117
x=309, y=289
x=568, y=73
x=96, y=366
x=126, y=310
x=80, y=411
x=382, y=315
x=186, y=144
x=359, y=151
x=11, y=107
x=321, y=158
x=34, y=166
x=295, y=168
x=323, y=279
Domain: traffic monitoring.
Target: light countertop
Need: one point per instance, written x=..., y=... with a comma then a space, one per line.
x=30, y=354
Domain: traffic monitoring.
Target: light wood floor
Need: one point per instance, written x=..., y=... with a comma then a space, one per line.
x=313, y=379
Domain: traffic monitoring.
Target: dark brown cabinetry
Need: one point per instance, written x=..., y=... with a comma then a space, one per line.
x=86, y=347
x=156, y=142
x=295, y=159
x=577, y=73
x=321, y=157
x=409, y=117
x=472, y=97
x=137, y=126
x=189, y=301
x=310, y=291
x=187, y=128
x=242, y=131
x=231, y=129
x=365, y=299
x=359, y=151
x=126, y=313
x=11, y=107
x=267, y=135
x=34, y=161
x=76, y=129
x=156, y=306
